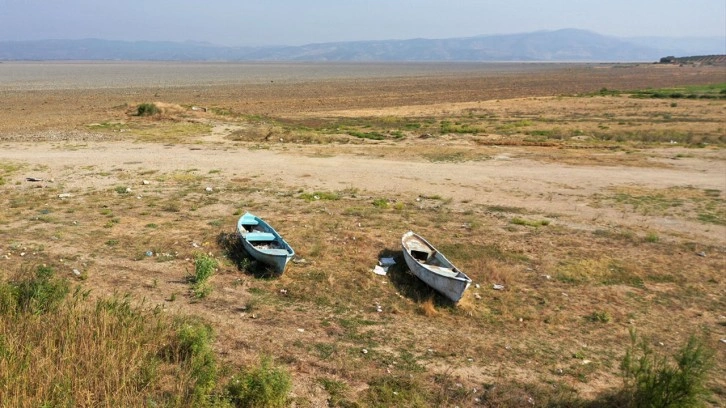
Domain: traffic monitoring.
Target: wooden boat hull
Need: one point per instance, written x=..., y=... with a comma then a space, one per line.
x=432, y=267
x=263, y=243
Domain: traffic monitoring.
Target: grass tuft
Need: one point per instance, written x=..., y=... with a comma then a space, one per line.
x=260, y=386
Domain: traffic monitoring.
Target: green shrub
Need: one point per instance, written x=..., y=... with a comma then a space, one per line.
x=652, y=381
x=195, y=348
x=599, y=317
x=260, y=386
x=147, y=109
x=529, y=223
x=204, y=267
x=40, y=294
x=380, y=203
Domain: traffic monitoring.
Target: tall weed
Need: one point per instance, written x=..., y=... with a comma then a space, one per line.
x=651, y=380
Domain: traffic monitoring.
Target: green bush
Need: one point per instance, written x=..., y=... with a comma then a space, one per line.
x=260, y=386
x=147, y=109
x=204, y=267
x=380, y=203
x=195, y=348
x=652, y=381
x=40, y=294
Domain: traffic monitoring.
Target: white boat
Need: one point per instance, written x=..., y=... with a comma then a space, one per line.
x=432, y=267
x=263, y=243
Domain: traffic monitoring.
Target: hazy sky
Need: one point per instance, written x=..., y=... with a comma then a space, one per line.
x=296, y=22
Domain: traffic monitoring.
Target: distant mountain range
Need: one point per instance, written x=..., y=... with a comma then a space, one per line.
x=561, y=45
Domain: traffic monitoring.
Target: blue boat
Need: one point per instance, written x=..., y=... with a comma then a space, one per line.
x=263, y=243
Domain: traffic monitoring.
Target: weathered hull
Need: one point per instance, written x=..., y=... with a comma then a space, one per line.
x=432, y=267
x=277, y=261
x=273, y=250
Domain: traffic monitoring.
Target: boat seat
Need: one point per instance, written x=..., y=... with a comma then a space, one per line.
x=259, y=236
x=442, y=271
x=249, y=221
x=275, y=251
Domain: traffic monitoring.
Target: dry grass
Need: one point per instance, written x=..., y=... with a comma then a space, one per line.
x=605, y=259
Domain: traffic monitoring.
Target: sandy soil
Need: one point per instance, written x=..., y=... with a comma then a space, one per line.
x=507, y=178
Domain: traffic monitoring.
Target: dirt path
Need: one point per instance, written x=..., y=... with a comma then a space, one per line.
x=545, y=188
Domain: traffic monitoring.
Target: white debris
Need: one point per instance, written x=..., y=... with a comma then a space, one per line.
x=498, y=287
x=378, y=270
x=301, y=330
x=364, y=351
x=145, y=182
x=209, y=189
x=77, y=272
x=65, y=195
x=383, y=265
